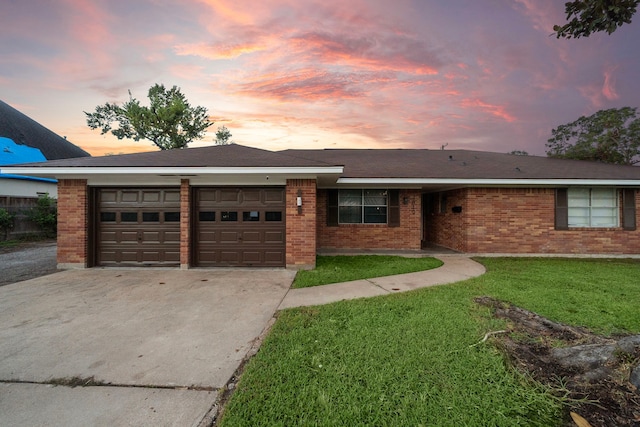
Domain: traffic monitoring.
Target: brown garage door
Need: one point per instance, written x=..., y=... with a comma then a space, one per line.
x=240, y=227
x=137, y=227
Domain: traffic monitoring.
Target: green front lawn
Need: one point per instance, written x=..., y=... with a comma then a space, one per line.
x=335, y=269
x=409, y=359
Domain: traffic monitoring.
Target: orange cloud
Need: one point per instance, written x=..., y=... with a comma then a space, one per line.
x=217, y=50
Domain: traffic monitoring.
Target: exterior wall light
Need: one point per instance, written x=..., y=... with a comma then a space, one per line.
x=299, y=201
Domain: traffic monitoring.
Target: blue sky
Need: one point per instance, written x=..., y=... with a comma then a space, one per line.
x=481, y=75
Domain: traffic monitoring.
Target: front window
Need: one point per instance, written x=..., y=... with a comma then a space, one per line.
x=362, y=206
x=593, y=207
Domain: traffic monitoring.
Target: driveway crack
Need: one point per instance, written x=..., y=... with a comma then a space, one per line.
x=92, y=382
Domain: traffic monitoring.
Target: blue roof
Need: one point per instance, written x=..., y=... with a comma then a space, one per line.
x=12, y=154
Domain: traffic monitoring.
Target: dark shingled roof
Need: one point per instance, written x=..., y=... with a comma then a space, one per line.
x=26, y=131
x=231, y=155
x=399, y=163
x=461, y=164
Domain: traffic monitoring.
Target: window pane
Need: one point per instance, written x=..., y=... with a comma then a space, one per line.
x=251, y=216
x=603, y=197
x=350, y=198
x=150, y=216
x=375, y=215
x=604, y=217
x=129, y=216
x=206, y=216
x=375, y=197
x=273, y=216
x=107, y=216
x=172, y=217
x=350, y=214
x=228, y=216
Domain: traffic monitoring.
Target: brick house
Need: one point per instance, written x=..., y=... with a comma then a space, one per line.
x=239, y=206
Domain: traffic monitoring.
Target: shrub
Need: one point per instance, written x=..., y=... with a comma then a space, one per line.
x=45, y=214
x=6, y=221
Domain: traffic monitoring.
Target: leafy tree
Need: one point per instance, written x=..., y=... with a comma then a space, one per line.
x=609, y=136
x=223, y=135
x=169, y=122
x=519, y=153
x=591, y=16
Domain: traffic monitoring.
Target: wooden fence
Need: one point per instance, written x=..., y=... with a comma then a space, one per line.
x=19, y=206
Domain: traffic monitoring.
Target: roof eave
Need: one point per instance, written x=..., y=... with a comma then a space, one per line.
x=468, y=182
x=76, y=172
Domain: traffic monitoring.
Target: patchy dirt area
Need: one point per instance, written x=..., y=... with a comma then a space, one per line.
x=27, y=261
x=595, y=375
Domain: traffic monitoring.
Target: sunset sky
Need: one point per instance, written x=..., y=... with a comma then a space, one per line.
x=480, y=75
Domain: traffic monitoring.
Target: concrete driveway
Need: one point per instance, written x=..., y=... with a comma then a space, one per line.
x=148, y=346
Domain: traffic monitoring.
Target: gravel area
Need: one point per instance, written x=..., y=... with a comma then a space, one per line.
x=27, y=261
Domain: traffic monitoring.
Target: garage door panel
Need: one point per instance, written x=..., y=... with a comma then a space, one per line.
x=229, y=236
x=130, y=196
x=207, y=237
x=249, y=237
x=274, y=258
x=274, y=197
x=251, y=195
x=172, y=236
x=274, y=237
x=251, y=257
x=240, y=227
x=229, y=196
x=230, y=257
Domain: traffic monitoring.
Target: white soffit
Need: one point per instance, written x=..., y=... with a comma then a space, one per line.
x=409, y=182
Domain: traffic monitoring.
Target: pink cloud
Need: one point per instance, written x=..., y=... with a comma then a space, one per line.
x=374, y=52
x=307, y=84
x=609, y=86
x=495, y=110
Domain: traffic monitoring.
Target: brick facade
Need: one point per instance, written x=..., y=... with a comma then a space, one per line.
x=301, y=226
x=489, y=220
x=373, y=236
x=73, y=223
x=520, y=220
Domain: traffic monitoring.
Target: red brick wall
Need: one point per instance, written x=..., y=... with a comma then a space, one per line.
x=185, y=224
x=301, y=227
x=373, y=236
x=521, y=220
x=73, y=224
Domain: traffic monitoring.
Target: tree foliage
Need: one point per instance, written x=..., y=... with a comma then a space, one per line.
x=169, y=122
x=45, y=214
x=519, y=153
x=6, y=221
x=223, y=136
x=609, y=136
x=590, y=16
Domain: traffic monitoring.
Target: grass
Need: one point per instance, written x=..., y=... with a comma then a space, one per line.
x=336, y=269
x=408, y=359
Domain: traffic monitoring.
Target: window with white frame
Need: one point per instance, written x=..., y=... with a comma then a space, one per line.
x=362, y=206
x=593, y=207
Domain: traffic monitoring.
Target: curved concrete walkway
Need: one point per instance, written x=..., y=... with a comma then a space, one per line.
x=454, y=269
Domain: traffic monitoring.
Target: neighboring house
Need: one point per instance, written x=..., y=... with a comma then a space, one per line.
x=21, y=185
x=22, y=140
x=233, y=205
